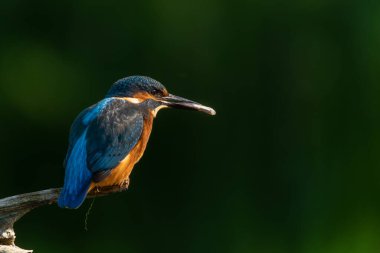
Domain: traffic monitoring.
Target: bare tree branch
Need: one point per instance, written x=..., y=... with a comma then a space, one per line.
x=13, y=208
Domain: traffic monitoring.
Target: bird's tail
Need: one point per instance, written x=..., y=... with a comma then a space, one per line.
x=77, y=177
x=72, y=200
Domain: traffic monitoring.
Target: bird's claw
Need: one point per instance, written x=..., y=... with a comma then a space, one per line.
x=125, y=184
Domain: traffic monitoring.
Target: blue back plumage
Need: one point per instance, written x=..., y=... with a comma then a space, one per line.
x=77, y=175
x=100, y=137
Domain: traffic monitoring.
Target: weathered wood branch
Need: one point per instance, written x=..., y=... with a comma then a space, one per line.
x=13, y=208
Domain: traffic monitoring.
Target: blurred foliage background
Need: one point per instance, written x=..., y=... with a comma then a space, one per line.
x=289, y=164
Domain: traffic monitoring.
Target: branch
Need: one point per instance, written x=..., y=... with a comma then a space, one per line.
x=13, y=208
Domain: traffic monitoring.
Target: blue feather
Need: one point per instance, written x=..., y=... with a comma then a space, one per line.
x=99, y=107
x=113, y=135
x=77, y=177
x=81, y=123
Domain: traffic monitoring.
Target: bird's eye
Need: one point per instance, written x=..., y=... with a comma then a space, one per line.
x=157, y=93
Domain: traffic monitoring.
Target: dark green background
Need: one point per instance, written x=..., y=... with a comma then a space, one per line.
x=289, y=164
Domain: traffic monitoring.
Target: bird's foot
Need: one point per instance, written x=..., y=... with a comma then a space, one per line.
x=125, y=184
x=97, y=189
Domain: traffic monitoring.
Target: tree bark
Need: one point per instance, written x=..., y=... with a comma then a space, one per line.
x=15, y=207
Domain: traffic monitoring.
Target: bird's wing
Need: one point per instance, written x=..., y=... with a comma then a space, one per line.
x=78, y=176
x=81, y=122
x=77, y=129
x=111, y=136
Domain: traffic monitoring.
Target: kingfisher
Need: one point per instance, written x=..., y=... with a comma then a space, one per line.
x=108, y=138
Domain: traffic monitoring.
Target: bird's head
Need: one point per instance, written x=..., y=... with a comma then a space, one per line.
x=137, y=89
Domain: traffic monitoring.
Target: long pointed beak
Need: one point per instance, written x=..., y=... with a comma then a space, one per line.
x=183, y=103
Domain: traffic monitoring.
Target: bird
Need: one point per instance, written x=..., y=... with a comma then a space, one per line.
x=108, y=138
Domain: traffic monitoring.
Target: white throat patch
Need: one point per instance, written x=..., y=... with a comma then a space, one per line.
x=155, y=111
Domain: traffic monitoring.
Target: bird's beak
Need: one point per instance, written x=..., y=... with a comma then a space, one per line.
x=183, y=103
